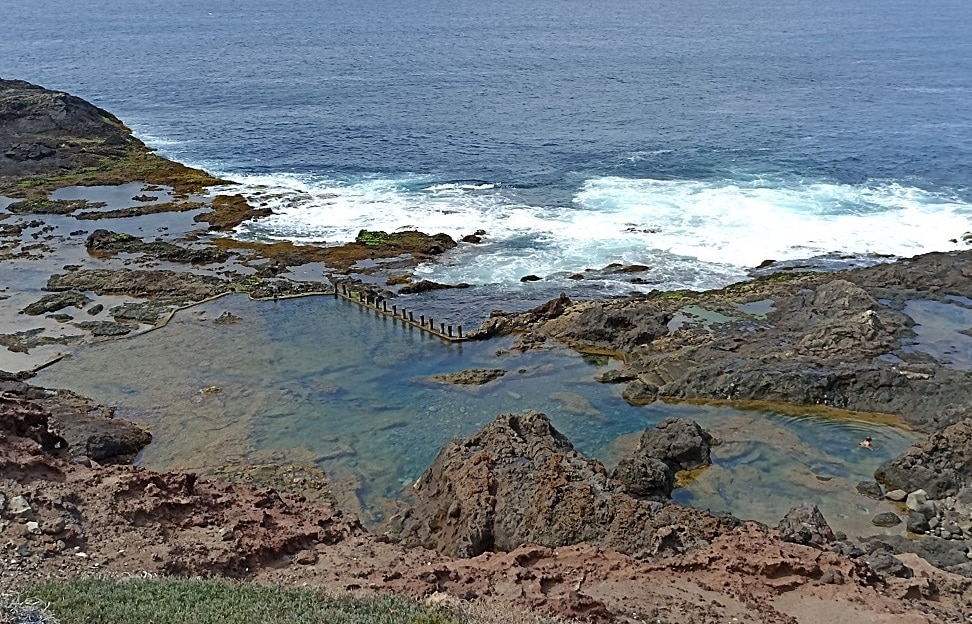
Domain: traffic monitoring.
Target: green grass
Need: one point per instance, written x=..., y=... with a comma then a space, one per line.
x=178, y=601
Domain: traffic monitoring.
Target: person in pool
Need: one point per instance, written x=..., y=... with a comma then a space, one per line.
x=866, y=442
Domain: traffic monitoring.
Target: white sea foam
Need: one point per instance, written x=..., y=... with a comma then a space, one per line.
x=694, y=234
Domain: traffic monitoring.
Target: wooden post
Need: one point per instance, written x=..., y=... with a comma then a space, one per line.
x=384, y=306
x=460, y=331
x=441, y=328
x=394, y=310
x=431, y=325
x=422, y=320
x=450, y=331
x=411, y=318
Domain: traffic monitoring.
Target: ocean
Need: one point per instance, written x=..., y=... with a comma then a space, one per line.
x=698, y=138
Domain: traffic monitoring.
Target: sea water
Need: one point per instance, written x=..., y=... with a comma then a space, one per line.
x=697, y=138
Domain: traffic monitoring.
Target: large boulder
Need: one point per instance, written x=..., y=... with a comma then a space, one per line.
x=940, y=464
x=672, y=445
x=804, y=524
x=519, y=481
x=679, y=442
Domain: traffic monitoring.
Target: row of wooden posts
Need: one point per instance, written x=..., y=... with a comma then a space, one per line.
x=380, y=304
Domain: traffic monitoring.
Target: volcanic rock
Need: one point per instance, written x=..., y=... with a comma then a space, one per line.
x=939, y=464
x=520, y=481
x=804, y=524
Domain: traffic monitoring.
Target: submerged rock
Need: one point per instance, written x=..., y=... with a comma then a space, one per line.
x=471, y=377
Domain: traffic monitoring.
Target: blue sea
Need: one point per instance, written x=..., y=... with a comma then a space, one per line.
x=697, y=137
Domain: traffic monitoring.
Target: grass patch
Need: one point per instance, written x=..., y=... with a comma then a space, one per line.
x=179, y=601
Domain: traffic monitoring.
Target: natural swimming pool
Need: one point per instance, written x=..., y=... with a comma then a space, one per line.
x=321, y=381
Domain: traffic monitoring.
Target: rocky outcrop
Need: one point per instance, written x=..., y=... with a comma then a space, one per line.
x=471, y=377
x=673, y=445
x=940, y=464
x=68, y=424
x=838, y=341
x=520, y=481
x=107, y=242
x=139, y=283
x=35, y=121
x=804, y=524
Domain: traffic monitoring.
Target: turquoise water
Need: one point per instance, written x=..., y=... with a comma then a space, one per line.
x=323, y=381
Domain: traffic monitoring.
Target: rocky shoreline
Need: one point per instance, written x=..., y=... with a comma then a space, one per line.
x=513, y=513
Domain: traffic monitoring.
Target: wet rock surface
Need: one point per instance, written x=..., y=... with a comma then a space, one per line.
x=835, y=341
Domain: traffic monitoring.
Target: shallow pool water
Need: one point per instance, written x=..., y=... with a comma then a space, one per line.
x=322, y=381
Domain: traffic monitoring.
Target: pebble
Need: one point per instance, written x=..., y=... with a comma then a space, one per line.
x=19, y=507
x=33, y=527
x=916, y=500
x=896, y=495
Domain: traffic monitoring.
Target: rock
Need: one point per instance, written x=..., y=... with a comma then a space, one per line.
x=55, y=302
x=645, y=477
x=105, y=328
x=107, y=242
x=227, y=318
x=144, y=311
x=679, y=442
x=33, y=527
x=36, y=126
x=472, y=238
x=553, y=308
x=870, y=489
x=471, y=377
x=804, y=524
x=19, y=507
x=940, y=464
x=140, y=283
x=519, y=481
x=884, y=564
x=916, y=500
x=426, y=285
x=95, y=310
x=886, y=519
x=530, y=278
x=226, y=534
x=896, y=495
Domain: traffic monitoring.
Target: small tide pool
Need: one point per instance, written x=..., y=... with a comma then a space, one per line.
x=322, y=381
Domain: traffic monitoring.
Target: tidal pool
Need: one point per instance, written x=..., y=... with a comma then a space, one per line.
x=322, y=381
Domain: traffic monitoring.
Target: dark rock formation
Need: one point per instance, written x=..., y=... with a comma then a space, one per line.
x=679, y=442
x=139, y=283
x=471, y=377
x=674, y=444
x=57, y=301
x=62, y=421
x=886, y=519
x=940, y=464
x=426, y=285
x=837, y=341
x=804, y=524
x=105, y=241
x=34, y=123
x=519, y=481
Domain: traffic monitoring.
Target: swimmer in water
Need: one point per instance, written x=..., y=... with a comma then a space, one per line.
x=866, y=442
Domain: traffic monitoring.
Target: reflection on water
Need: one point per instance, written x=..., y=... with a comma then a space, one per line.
x=323, y=381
